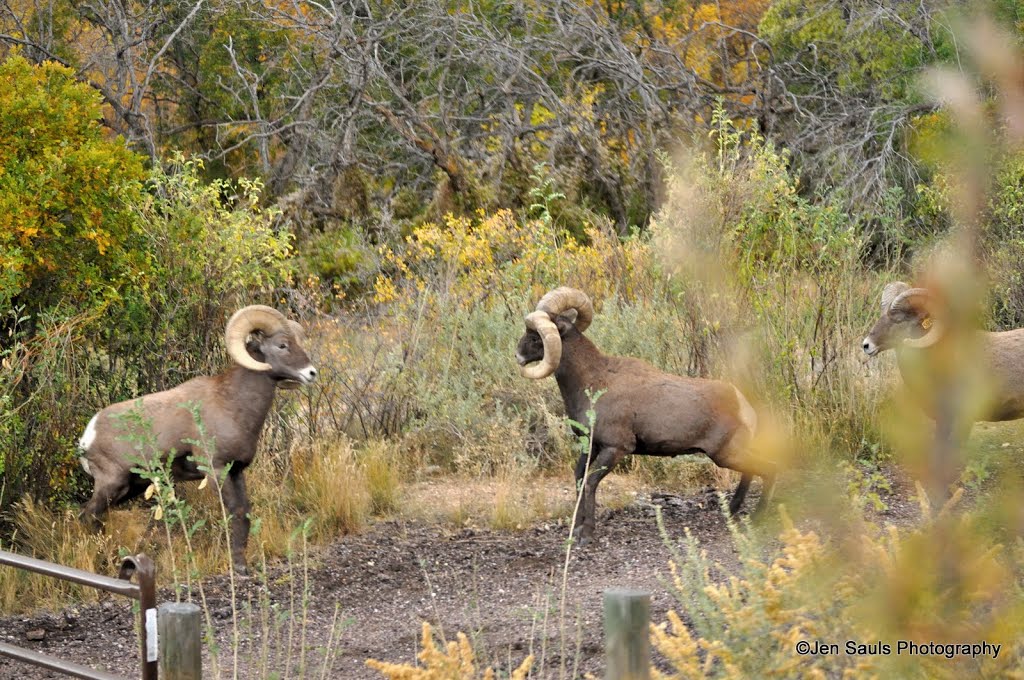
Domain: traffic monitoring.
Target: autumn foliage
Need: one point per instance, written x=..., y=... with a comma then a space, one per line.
x=69, y=232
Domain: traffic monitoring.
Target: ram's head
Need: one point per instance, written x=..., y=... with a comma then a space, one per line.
x=261, y=339
x=561, y=311
x=908, y=320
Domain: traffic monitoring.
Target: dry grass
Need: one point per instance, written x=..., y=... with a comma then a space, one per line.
x=508, y=502
x=679, y=476
x=57, y=537
x=332, y=484
x=329, y=485
x=382, y=470
x=336, y=486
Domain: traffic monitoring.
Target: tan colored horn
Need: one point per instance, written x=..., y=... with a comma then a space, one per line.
x=904, y=298
x=297, y=331
x=562, y=299
x=245, y=321
x=540, y=321
x=935, y=331
x=890, y=292
x=934, y=327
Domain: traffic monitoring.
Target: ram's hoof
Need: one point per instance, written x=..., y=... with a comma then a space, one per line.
x=581, y=539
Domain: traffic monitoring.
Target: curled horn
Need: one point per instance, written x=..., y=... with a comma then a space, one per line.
x=540, y=321
x=890, y=293
x=561, y=300
x=245, y=321
x=296, y=330
x=935, y=327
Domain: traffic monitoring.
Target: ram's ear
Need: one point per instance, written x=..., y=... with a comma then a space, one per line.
x=565, y=322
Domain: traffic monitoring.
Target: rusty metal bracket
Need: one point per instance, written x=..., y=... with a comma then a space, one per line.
x=144, y=570
x=144, y=590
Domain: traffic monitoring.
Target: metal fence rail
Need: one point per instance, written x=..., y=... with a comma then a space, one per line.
x=144, y=591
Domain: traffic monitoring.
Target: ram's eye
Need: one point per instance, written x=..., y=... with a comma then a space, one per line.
x=282, y=346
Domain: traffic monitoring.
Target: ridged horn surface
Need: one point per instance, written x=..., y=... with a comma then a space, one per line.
x=890, y=292
x=540, y=321
x=296, y=329
x=245, y=321
x=562, y=299
x=904, y=300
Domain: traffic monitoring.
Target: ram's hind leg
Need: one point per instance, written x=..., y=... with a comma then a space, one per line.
x=748, y=465
x=105, y=494
x=767, y=471
x=740, y=493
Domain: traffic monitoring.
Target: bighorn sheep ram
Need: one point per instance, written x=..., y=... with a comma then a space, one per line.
x=642, y=410
x=232, y=405
x=909, y=325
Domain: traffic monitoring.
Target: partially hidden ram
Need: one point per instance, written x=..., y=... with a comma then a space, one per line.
x=267, y=352
x=641, y=410
x=912, y=325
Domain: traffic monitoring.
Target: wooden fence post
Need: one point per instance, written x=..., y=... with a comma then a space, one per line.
x=627, y=616
x=181, y=651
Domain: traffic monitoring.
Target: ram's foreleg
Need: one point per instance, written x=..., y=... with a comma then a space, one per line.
x=736, y=502
x=601, y=464
x=236, y=502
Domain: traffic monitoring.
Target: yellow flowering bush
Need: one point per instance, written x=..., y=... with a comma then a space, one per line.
x=944, y=582
x=466, y=261
x=456, y=661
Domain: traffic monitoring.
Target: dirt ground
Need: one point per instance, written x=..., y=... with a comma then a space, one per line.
x=376, y=588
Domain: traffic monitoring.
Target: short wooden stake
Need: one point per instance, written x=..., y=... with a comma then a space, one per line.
x=627, y=617
x=181, y=651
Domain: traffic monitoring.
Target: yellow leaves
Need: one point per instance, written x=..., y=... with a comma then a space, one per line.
x=679, y=647
x=457, y=661
x=666, y=30
x=26, y=232
x=101, y=238
x=384, y=290
x=877, y=586
x=540, y=114
x=466, y=261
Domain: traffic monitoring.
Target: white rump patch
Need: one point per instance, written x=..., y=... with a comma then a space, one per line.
x=85, y=465
x=89, y=436
x=748, y=416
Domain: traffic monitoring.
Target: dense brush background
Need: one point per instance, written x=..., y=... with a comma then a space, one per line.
x=733, y=183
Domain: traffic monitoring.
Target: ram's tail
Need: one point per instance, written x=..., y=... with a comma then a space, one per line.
x=85, y=442
x=747, y=414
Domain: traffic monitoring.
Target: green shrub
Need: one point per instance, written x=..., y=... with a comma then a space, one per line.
x=68, y=236
x=207, y=249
